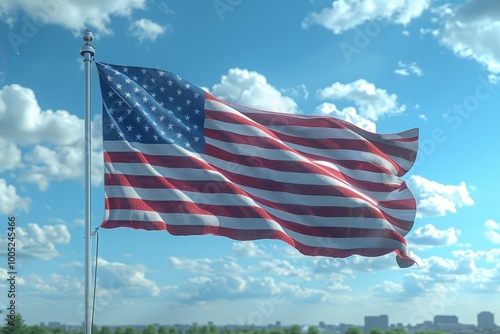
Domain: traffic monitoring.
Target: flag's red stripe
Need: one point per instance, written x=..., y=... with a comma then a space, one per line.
x=247, y=212
x=364, y=145
x=298, y=167
x=153, y=182
x=246, y=235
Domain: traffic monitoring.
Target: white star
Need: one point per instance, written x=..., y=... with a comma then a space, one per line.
x=111, y=94
x=135, y=78
x=161, y=73
x=118, y=86
x=136, y=90
x=116, y=72
x=187, y=144
x=128, y=80
x=153, y=108
x=187, y=117
x=146, y=128
x=196, y=139
x=179, y=108
x=195, y=127
x=120, y=119
x=155, y=137
x=170, y=99
x=170, y=126
x=162, y=118
x=129, y=128
x=187, y=86
x=179, y=92
x=145, y=99
x=162, y=89
x=188, y=102
x=128, y=95
x=153, y=80
x=179, y=135
x=196, y=95
x=109, y=78
x=138, y=119
x=170, y=82
x=197, y=111
x=144, y=71
x=120, y=102
x=121, y=135
x=125, y=70
x=138, y=136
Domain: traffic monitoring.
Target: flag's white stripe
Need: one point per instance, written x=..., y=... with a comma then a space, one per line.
x=234, y=199
x=217, y=106
x=189, y=174
x=242, y=224
x=251, y=150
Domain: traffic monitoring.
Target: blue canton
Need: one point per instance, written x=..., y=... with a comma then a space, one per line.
x=151, y=106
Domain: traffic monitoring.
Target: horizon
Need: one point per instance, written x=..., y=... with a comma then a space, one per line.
x=426, y=64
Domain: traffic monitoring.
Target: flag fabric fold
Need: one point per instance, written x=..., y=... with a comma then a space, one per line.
x=179, y=159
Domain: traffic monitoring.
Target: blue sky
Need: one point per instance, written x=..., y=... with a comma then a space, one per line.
x=386, y=67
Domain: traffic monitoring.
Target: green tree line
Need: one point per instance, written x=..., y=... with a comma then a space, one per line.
x=19, y=327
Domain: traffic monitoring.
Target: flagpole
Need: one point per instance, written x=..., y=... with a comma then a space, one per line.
x=87, y=52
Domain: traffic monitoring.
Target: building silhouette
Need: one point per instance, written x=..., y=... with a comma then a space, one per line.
x=380, y=322
x=486, y=320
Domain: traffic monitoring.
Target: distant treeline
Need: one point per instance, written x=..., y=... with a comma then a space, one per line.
x=21, y=328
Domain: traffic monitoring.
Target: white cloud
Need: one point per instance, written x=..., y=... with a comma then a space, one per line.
x=145, y=29
x=11, y=155
x=372, y=102
x=348, y=14
x=251, y=89
x=116, y=277
x=53, y=139
x=429, y=235
x=39, y=241
x=22, y=120
x=10, y=201
x=436, y=199
x=407, y=69
x=247, y=249
x=347, y=114
x=74, y=15
x=470, y=29
x=492, y=231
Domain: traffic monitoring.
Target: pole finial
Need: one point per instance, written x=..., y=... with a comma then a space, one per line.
x=87, y=48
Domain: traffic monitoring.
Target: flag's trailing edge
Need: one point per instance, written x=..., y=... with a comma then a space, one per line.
x=178, y=159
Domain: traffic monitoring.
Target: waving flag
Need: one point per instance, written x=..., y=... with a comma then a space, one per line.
x=179, y=159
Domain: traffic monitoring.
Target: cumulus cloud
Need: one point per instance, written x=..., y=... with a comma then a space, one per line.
x=252, y=89
x=74, y=15
x=436, y=199
x=53, y=140
x=247, y=249
x=127, y=279
x=10, y=201
x=347, y=114
x=492, y=231
x=469, y=30
x=371, y=102
x=145, y=29
x=39, y=242
x=429, y=235
x=408, y=69
x=348, y=14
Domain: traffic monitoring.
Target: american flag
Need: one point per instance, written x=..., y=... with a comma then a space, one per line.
x=181, y=160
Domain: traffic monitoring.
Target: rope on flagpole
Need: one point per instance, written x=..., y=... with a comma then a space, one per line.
x=96, y=233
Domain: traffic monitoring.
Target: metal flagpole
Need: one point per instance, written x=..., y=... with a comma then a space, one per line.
x=87, y=52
